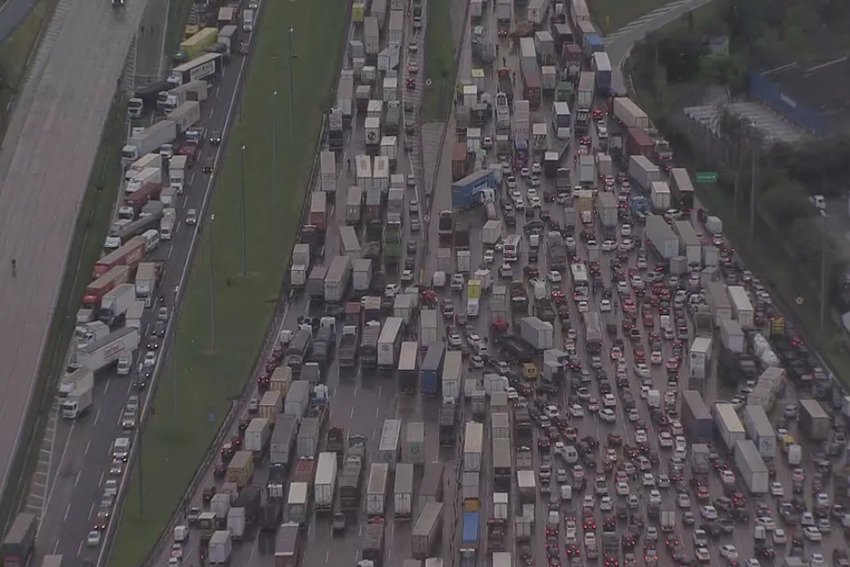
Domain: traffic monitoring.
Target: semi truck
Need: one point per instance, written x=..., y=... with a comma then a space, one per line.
x=106, y=351
x=185, y=115
x=324, y=487
x=114, y=305
x=75, y=392
x=148, y=140
x=197, y=91
x=427, y=530
x=205, y=66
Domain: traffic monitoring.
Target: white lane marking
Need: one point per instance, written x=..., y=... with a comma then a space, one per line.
x=65, y=517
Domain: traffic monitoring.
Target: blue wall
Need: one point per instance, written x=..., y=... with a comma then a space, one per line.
x=785, y=104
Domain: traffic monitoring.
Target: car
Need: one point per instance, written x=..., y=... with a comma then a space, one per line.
x=413, y=47
x=779, y=537
x=702, y=555
x=622, y=489
x=648, y=480
x=406, y=276
x=812, y=534
x=93, y=539
x=609, y=401
x=665, y=440
x=511, y=182
x=607, y=415
x=192, y=217
x=642, y=370
x=683, y=501
x=128, y=419
x=413, y=67
x=727, y=477
x=391, y=289
x=177, y=550
x=640, y=436
x=476, y=362
x=729, y=552
x=766, y=522
x=215, y=137
x=654, y=497
x=554, y=276
x=150, y=359
x=576, y=411
x=454, y=340
x=708, y=512
x=656, y=358
x=606, y=504
x=116, y=468
x=817, y=560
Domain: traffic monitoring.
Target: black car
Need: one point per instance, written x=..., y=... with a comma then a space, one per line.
x=215, y=137
x=159, y=328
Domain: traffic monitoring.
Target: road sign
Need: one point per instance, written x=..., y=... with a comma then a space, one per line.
x=706, y=177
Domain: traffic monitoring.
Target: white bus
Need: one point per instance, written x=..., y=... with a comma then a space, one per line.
x=510, y=252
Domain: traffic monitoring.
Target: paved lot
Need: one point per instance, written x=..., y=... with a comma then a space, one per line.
x=46, y=159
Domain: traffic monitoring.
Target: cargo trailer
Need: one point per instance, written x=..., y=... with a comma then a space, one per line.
x=751, y=466
x=729, y=426
x=403, y=491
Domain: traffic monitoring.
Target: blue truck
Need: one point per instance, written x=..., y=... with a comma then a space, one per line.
x=431, y=369
x=468, y=192
x=469, y=542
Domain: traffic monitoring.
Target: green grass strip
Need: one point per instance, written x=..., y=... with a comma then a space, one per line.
x=440, y=64
x=205, y=381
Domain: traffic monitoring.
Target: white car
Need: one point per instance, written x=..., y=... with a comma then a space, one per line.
x=554, y=276
x=609, y=245
x=780, y=537
x=576, y=411
x=511, y=181
x=534, y=202
x=473, y=339
x=727, y=477
x=642, y=370
x=582, y=307
x=816, y=560
x=665, y=440
x=609, y=401
x=536, y=168
x=626, y=230
x=623, y=489
x=551, y=411
x=683, y=501
x=634, y=415
x=93, y=539
x=150, y=359
x=766, y=522
x=391, y=289
x=605, y=306
x=729, y=552
x=648, y=480
x=606, y=504
x=455, y=340
x=702, y=555
x=654, y=497
x=656, y=358
x=640, y=436
x=708, y=512
x=607, y=415
x=812, y=533
x=489, y=256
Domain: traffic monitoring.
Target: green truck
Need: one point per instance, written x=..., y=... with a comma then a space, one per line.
x=392, y=243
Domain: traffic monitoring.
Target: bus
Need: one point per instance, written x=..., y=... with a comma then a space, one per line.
x=593, y=332
x=682, y=188
x=581, y=282
x=510, y=252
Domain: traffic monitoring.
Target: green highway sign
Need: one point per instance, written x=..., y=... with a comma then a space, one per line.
x=706, y=177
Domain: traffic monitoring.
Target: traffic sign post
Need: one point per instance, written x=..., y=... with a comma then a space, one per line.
x=706, y=177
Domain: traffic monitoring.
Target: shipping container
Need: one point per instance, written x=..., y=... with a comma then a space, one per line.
x=690, y=245
x=431, y=370
x=696, y=417
x=324, y=488
x=403, y=491
x=427, y=530
x=389, y=343
x=283, y=440
x=388, y=450
x=473, y=447
x=630, y=114
x=728, y=424
x=376, y=490
x=413, y=449
x=814, y=422
x=643, y=172
x=452, y=374
x=742, y=307
x=718, y=302
x=660, y=236
x=760, y=430
x=751, y=466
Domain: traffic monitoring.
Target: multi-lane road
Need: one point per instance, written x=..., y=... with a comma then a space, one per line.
x=81, y=448
x=46, y=159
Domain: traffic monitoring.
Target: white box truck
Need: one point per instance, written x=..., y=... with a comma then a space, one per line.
x=403, y=491
x=76, y=393
x=325, y=485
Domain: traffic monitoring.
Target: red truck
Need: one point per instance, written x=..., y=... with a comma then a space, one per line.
x=532, y=85
x=638, y=142
x=459, y=162
x=104, y=284
x=319, y=210
x=138, y=199
x=130, y=254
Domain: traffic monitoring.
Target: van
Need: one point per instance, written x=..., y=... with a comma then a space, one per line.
x=570, y=455
x=248, y=20
x=166, y=226
x=125, y=364
x=151, y=239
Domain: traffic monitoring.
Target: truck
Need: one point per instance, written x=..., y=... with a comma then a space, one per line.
x=467, y=192
x=376, y=490
x=660, y=196
x=348, y=344
x=319, y=210
x=135, y=314
x=690, y=245
x=369, y=345
x=506, y=85
x=353, y=205
x=297, y=502
x=287, y=545
x=337, y=279
x=389, y=343
x=403, y=491
x=720, y=306
x=742, y=307
x=452, y=372
x=193, y=91
x=750, y=464
x=219, y=548
x=556, y=248
x=257, y=436
x=587, y=170
x=388, y=450
x=19, y=541
x=448, y=421
x=539, y=334
x=428, y=327
x=660, y=236
x=643, y=172
x=638, y=143
x=316, y=283
x=115, y=303
x=503, y=118
x=362, y=275
x=351, y=479
x=668, y=521
x=185, y=116
x=129, y=255
x=814, y=422
x=373, y=544
x=760, y=430
x=297, y=399
x=518, y=295
x=473, y=447
x=431, y=368
x=107, y=350
x=75, y=392
x=207, y=65
x=728, y=424
x=324, y=487
x=696, y=417
x=469, y=537
x=630, y=114
x=606, y=206
x=148, y=141
x=700, y=459
x=282, y=441
x=327, y=181
x=427, y=530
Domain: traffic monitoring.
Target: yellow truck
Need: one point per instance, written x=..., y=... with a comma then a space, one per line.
x=195, y=45
x=271, y=404
x=241, y=468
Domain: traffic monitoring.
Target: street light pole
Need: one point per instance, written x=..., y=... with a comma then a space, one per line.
x=274, y=143
x=242, y=196
x=212, y=285
x=291, y=85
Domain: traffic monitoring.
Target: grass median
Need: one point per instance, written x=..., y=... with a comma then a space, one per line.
x=611, y=15
x=440, y=65
x=202, y=377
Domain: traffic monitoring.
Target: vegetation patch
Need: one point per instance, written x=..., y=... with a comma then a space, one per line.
x=440, y=64
x=212, y=356
x=611, y=15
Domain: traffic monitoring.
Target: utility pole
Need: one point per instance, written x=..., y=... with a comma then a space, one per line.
x=242, y=207
x=274, y=143
x=291, y=86
x=754, y=152
x=212, y=285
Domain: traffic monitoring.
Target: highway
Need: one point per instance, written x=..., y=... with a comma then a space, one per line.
x=359, y=404
x=46, y=159
x=81, y=447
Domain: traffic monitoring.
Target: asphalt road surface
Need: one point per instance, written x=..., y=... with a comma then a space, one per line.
x=46, y=159
x=360, y=404
x=82, y=446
